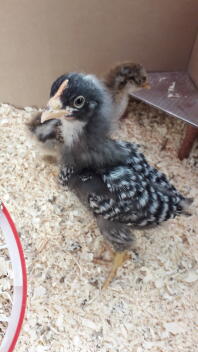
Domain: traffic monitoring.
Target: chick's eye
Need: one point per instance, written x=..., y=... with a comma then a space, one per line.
x=79, y=102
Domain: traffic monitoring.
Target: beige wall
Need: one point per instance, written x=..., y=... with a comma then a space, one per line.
x=41, y=39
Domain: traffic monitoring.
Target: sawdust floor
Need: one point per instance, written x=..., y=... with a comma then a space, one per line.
x=152, y=304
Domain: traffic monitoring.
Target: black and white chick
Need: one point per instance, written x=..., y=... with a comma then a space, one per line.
x=111, y=177
x=122, y=80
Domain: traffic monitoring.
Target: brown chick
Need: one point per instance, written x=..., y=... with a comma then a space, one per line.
x=122, y=80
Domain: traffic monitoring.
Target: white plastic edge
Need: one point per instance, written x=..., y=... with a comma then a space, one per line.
x=18, y=283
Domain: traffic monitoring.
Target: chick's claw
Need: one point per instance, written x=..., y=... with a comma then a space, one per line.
x=100, y=259
x=117, y=262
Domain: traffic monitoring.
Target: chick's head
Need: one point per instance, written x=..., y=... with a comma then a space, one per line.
x=127, y=76
x=77, y=96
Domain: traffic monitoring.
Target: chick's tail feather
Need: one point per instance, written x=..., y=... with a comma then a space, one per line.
x=185, y=205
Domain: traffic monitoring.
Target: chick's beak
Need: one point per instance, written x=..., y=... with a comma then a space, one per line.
x=50, y=114
x=54, y=108
x=146, y=85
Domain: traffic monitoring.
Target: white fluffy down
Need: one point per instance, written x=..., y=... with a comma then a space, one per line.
x=72, y=129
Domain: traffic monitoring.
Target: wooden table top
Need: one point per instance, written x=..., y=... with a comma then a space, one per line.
x=174, y=93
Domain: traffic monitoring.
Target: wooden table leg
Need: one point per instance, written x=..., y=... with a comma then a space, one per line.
x=186, y=145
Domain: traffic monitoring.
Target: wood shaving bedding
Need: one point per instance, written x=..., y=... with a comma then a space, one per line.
x=6, y=286
x=152, y=304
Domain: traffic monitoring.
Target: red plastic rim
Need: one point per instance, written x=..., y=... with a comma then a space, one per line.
x=24, y=276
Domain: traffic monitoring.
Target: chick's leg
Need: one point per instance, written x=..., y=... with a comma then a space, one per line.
x=118, y=261
x=121, y=239
x=114, y=233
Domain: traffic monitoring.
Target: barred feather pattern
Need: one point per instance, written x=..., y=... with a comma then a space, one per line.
x=65, y=174
x=141, y=195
